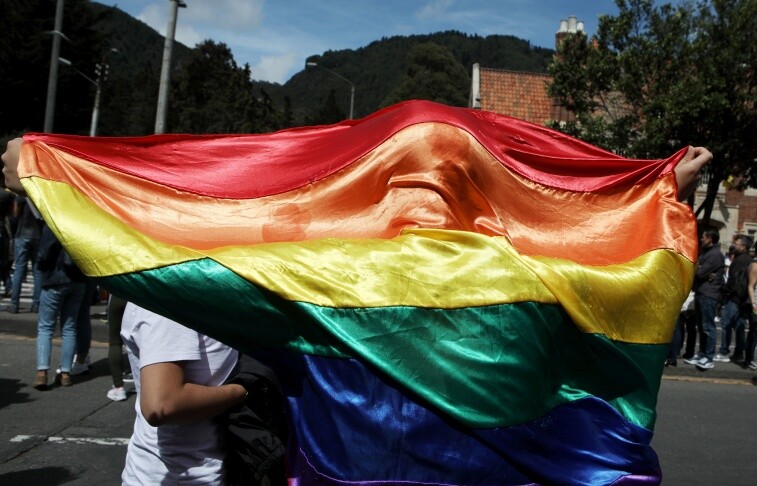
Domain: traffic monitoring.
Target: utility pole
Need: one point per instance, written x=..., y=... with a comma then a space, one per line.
x=352, y=86
x=52, y=81
x=165, y=71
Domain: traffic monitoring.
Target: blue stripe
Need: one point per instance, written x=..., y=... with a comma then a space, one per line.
x=351, y=425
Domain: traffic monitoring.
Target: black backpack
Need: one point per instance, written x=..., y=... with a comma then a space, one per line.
x=741, y=284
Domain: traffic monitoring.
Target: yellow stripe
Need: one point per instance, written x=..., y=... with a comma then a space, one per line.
x=424, y=268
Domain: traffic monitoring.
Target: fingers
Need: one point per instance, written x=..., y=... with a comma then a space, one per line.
x=10, y=165
x=702, y=157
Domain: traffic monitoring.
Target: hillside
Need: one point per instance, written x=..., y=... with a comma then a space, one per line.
x=378, y=67
x=132, y=51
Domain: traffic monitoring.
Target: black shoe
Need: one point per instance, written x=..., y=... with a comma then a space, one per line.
x=737, y=358
x=34, y=309
x=670, y=362
x=12, y=309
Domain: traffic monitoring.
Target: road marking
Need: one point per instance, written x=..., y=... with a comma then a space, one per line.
x=21, y=438
x=108, y=441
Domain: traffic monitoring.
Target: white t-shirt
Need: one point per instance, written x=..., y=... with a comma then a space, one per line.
x=173, y=454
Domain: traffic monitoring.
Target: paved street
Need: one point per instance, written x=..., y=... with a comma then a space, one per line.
x=73, y=435
x=705, y=432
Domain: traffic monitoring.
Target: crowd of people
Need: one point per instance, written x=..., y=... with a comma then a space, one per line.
x=724, y=291
x=61, y=294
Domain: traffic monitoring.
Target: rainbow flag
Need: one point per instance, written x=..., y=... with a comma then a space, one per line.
x=449, y=296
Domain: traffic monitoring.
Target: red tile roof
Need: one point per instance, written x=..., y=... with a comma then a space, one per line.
x=519, y=94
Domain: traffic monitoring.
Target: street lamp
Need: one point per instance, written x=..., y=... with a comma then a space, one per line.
x=102, y=71
x=352, y=86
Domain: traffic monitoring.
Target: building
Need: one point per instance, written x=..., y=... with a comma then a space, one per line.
x=524, y=95
x=734, y=213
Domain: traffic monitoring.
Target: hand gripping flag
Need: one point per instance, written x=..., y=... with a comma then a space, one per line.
x=449, y=296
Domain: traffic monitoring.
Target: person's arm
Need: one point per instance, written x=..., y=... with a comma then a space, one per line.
x=689, y=170
x=750, y=286
x=710, y=263
x=165, y=399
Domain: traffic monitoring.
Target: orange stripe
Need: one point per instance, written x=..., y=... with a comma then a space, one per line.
x=426, y=176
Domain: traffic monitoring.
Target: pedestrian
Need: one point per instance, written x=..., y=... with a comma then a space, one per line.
x=25, y=244
x=751, y=311
x=62, y=290
x=115, y=314
x=733, y=317
x=681, y=331
x=708, y=282
x=6, y=208
x=82, y=362
x=179, y=378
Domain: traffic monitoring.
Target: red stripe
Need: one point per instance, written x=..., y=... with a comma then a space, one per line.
x=213, y=165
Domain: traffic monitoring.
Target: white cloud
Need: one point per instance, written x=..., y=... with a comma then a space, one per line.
x=155, y=16
x=434, y=9
x=202, y=20
x=277, y=68
x=188, y=35
x=227, y=14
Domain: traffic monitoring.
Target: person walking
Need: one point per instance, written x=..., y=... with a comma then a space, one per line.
x=25, y=247
x=732, y=317
x=62, y=290
x=82, y=362
x=751, y=311
x=116, y=307
x=6, y=208
x=708, y=282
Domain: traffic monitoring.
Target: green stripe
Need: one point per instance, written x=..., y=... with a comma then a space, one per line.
x=487, y=366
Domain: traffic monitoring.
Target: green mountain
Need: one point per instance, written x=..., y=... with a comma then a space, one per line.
x=125, y=55
x=379, y=67
x=375, y=69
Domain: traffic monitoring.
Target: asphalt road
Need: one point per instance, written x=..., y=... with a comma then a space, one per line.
x=72, y=435
x=705, y=431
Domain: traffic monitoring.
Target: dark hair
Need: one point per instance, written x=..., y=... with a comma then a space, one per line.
x=745, y=240
x=713, y=234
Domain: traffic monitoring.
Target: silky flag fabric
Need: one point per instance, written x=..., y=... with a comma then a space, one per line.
x=449, y=296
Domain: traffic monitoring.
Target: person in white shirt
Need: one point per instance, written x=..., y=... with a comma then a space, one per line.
x=179, y=390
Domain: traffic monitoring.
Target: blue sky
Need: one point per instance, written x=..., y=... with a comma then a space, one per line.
x=276, y=36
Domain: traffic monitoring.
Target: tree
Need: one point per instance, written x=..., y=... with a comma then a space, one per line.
x=25, y=49
x=654, y=79
x=433, y=74
x=330, y=112
x=212, y=94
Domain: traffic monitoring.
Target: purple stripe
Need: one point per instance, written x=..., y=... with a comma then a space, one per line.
x=637, y=479
x=306, y=475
